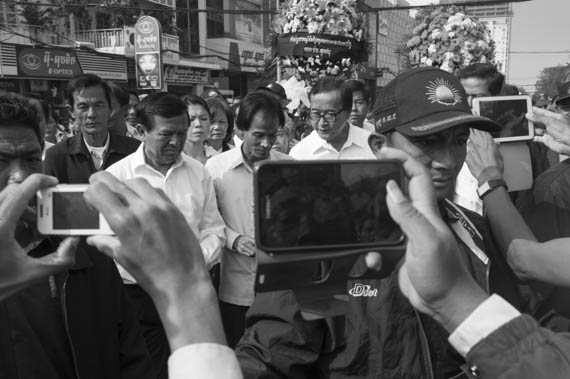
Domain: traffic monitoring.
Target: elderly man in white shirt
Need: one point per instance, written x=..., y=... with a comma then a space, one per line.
x=259, y=120
x=163, y=121
x=333, y=136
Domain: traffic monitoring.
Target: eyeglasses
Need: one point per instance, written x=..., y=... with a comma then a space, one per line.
x=329, y=116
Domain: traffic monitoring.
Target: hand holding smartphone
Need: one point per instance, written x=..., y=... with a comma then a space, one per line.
x=63, y=211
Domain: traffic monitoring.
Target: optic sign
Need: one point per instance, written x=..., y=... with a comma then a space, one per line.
x=148, y=40
x=47, y=63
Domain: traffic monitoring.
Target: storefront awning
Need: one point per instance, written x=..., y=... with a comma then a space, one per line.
x=105, y=66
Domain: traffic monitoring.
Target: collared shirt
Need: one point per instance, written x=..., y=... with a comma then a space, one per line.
x=97, y=153
x=204, y=360
x=466, y=191
x=190, y=187
x=233, y=180
x=314, y=147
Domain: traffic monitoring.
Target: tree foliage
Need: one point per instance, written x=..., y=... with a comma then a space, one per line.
x=550, y=78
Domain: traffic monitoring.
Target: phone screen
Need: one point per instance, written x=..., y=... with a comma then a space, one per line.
x=70, y=211
x=510, y=114
x=317, y=205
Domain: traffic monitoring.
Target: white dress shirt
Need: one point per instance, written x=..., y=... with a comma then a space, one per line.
x=98, y=153
x=489, y=316
x=190, y=187
x=233, y=180
x=314, y=147
x=204, y=361
x=466, y=191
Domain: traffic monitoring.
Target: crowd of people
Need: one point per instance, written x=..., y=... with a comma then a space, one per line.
x=480, y=292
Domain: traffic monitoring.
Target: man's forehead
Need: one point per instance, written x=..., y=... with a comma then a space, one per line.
x=332, y=98
x=91, y=93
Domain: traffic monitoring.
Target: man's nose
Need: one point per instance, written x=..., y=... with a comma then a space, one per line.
x=445, y=158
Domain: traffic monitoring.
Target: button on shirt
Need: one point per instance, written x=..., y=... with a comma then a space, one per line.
x=314, y=147
x=190, y=187
x=233, y=180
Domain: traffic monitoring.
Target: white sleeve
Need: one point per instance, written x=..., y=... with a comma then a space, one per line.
x=204, y=361
x=212, y=226
x=489, y=316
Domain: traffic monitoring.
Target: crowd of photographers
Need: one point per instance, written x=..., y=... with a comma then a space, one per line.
x=480, y=292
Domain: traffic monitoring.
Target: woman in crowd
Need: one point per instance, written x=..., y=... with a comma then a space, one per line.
x=221, y=125
x=199, y=129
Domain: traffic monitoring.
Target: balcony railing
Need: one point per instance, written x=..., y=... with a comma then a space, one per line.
x=117, y=38
x=26, y=34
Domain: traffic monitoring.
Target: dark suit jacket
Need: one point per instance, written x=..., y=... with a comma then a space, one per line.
x=71, y=163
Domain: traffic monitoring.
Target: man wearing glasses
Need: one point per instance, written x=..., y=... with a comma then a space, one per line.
x=333, y=136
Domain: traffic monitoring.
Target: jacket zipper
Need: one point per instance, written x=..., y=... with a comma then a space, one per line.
x=63, y=293
x=426, y=347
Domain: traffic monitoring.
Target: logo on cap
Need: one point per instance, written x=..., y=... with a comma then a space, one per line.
x=441, y=91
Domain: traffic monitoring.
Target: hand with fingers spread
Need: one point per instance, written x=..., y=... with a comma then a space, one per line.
x=155, y=244
x=556, y=135
x=17, y=269
x=483, y=156
x=432, y=276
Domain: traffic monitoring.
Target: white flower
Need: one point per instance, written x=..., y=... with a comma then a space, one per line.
x=313, y=27
x=423, y=60
x=429, y=62
x=435, y=33
x=451, y=34
x=432, y=49
x=448, y=27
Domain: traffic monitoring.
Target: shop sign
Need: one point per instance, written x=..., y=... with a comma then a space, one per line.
x=9, y=85
x=148, y=57
x=185, y=75
x=47, y=63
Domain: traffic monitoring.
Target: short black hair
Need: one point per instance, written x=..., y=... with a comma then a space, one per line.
x=135, y=94
x=121, y=94
x=257, y=101
x=17, y=110
x=196, y=100
x=80, y=82
x=328, y=84
x=45, y=106
x=160, y=104
x=358, y=86
x=218, y=105
x=486, y=71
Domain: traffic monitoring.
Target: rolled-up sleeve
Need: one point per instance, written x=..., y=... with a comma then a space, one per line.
x=212, y=226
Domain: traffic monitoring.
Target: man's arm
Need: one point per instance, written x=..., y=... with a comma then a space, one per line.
x=212, y=227
x=490, y=332
x=156, y=245
x=485, y=163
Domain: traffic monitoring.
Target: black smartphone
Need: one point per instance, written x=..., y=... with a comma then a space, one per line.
x=324, y=205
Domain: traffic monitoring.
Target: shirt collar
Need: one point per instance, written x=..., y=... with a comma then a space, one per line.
x=237, y=159
x=90, y=148
x=351, y=139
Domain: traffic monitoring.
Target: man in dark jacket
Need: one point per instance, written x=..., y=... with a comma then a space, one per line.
x=94, y=148
x=76, y=324
x=425, y=113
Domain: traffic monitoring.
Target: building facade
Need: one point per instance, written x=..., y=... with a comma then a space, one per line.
x=498, y=19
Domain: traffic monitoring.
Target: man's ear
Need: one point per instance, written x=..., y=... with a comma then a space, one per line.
x=376, y=142
x=141, y=130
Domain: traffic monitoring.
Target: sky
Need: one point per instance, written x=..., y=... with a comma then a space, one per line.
x=538, y=26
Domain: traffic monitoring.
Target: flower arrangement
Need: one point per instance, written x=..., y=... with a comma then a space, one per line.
x=446, y=37
x=317, y=38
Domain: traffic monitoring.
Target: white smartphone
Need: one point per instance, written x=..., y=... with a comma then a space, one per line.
x=509, y=112
x=63, y=211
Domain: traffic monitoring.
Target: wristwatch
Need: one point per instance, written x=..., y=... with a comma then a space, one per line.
x=490, y=185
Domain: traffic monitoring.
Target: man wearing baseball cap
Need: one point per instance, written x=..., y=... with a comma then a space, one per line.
x=563, y=100
x=423, y=112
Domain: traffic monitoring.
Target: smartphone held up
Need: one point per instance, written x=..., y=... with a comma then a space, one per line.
x=63, y=211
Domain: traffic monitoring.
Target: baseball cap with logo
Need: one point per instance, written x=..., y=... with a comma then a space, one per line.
x=563, y=92
x=424, y=101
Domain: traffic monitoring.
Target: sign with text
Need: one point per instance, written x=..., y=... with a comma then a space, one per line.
x=323, y=45
x=177, y=75
x=47, y=63
x=148, y=58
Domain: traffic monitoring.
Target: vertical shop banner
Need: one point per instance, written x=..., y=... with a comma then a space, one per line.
x=148, y=59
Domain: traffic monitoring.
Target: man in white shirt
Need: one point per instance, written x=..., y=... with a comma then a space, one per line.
x=163, y=121
x=360, y=105
x=333, y=136
x=260, y=119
